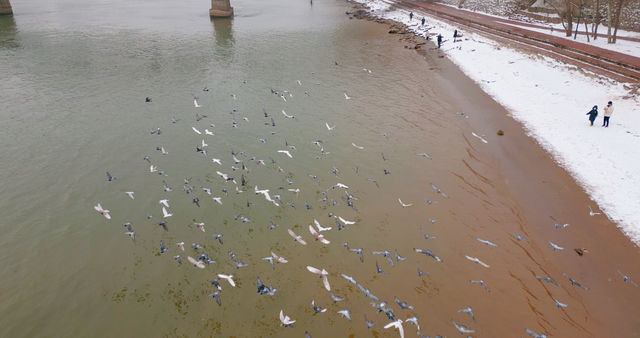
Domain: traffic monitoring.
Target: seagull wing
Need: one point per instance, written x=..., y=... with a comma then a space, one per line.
x=196, y=130
x=325, y=281
x=314, y=270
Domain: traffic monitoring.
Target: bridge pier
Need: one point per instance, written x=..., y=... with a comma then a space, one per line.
x=5, y=7
x=219, y=8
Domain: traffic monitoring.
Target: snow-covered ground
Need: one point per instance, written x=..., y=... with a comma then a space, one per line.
x=551, y=100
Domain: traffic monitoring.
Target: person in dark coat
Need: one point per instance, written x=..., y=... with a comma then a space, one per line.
x=592, y=114
x=439, y=40
x=411, y=16
x=423, y=21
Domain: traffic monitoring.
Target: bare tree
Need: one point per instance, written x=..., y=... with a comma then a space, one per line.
x=616, y=19
x=566, y=10
x=609, y=21
x=596, y=18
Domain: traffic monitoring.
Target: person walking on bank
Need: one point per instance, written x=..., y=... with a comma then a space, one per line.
x=411, y=16
x=439, y=40
x=423, y=21
x=608, y=110
x=592, y=114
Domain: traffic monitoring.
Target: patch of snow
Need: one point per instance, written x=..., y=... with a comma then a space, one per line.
x=551, y=100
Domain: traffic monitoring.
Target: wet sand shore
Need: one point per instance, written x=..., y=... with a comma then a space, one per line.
x=519, y=189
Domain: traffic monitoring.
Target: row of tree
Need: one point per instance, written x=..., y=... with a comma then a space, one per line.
x=594, y=11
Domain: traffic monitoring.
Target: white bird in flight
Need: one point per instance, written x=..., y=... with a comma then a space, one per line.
x=479, y=137
x=287, y=115
x=207, y=132
x=320, y=227
x=318, y=236
x=102, y=211
x=296, y=238
x=330, y=128
x=476, y=260
x=196, y=130
x=403, y=204
x=229, y=279
x=322, y=274
x=216, y=160
x=345, y=221
x=217, y=200
x=398, y=325
x=592, y=213
x=347, y=97
x=165, y=213
x=130, y=194
x=286, y=152
x=357, y=146
x=180, y=245
x=195, y=262
x=195, y=103
x=279, y=259
x=164, y=202
x=286, y=321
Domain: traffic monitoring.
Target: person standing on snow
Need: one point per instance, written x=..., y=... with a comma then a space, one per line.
x=608, y=110
x=592, y=114
x=411, y=16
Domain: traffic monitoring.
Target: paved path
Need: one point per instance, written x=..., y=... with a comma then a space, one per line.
x=626, y=65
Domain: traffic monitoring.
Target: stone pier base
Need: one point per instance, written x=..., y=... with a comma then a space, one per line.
x=5, y=7
x=220, y=8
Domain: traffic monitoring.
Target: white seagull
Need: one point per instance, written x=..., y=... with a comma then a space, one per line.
x=165, y=213
x=476, y=260
x=318, y=236
x=217, y=200
x=207, y=132
x=345, y=221
x=320, y=227
x=296, y=238
x=286, y=321
x=357, y=146
x=286, y=152
x=322, y=274
x=398, y=325
x=278, y=258
x=102, y=211
x=592, y=213
x=195, y=103
x=164, y=202
x=347, y=97
x=329, y=127
x=130, y=194
x=195, y=262
x=479, y=137
x=287, y=115
x=403, y=204
x=229, y=279
x=196, y=130
x=216, y=160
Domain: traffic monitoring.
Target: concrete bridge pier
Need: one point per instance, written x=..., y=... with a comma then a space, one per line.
x=219, y=8
x=5, y=7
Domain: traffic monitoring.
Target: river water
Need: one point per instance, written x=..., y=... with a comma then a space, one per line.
x=74, y=78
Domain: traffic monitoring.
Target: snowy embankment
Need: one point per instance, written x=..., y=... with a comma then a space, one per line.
x=551, y=100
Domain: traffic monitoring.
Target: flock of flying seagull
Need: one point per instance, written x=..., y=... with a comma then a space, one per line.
x=283, y=197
